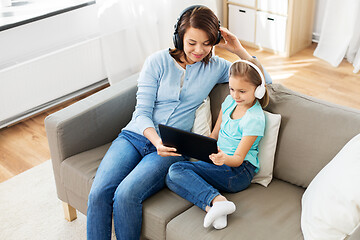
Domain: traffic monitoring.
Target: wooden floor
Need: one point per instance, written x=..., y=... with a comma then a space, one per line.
x=24, y=145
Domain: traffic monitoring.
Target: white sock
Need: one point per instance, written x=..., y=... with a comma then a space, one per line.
x=218, y=209
x=220, y=222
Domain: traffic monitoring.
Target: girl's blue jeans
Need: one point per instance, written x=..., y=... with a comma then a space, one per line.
x=200, y=182
x=130, y=172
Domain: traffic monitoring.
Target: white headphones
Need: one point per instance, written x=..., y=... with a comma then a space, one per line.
x=260, y=90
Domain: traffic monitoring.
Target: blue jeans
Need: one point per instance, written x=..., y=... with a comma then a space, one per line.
x=130, y=172
x=200, y=182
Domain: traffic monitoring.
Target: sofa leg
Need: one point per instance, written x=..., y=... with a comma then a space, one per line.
x=69, y=212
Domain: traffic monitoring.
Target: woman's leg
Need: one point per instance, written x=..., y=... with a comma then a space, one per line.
x=147, y=178
x=119, y=160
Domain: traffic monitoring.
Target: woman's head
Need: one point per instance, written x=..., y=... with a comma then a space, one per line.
x=245, y=81
x=196, y=32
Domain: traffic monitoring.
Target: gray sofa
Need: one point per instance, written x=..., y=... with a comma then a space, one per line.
x=80, y=134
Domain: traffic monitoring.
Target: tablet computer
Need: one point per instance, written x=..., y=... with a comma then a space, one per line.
x=188, y=143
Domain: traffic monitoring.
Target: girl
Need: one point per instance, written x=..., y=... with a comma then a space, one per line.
x=238, y=129
x=171, y=86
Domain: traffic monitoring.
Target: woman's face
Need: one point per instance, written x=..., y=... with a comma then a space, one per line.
x=196, y=45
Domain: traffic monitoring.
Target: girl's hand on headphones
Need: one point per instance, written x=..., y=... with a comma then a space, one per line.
x=231, y=43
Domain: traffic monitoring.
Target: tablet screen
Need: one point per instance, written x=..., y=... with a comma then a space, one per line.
x=188, y=143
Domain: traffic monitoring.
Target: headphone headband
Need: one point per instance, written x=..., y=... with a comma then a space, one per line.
x=260, y=90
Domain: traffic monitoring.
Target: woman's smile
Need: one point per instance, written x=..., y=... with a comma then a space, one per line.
x=197, y=55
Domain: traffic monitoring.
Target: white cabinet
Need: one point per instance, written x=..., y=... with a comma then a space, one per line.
x=281, y=26
x=250, y=3
x=270, y=31
x=243, y=22
x=273, y=6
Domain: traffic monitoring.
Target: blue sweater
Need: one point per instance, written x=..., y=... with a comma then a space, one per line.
x=159, y=99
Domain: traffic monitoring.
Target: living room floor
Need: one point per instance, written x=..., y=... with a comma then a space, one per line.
x=24, y=145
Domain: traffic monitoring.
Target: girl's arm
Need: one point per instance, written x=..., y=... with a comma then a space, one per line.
x=215, y=132
x=237, y=159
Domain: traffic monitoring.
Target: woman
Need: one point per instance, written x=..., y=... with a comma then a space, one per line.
x=171, y=86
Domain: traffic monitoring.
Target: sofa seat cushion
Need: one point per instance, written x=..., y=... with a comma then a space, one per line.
x=160, y=209
x=261, y=213
x=77, y=174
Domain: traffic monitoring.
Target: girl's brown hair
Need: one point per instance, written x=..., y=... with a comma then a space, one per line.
x=200, y=18
x=244, y=70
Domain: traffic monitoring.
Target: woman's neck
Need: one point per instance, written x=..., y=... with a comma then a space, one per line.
x=184, y=62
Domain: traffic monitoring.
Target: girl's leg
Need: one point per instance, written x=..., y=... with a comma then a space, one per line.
x=119, y=160
x=196, y=181
x=187, y=179
x=147, y=178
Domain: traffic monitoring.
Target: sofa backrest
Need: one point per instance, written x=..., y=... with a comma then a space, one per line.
x=312, y=131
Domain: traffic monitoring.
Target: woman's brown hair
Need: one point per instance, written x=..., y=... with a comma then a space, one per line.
x=200, y=18
x=241, y=69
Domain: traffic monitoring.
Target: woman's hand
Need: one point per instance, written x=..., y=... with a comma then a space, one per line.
x=218, y=158
x=164, y=151
x=231, y=43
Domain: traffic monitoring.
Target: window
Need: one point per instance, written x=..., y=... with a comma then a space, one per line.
x=25, y=11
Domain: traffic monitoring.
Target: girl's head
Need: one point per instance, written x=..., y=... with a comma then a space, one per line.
x=247, y=82
x=196, y=32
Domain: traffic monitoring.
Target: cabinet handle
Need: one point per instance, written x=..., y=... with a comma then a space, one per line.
x=243, y=11
x=271, y=19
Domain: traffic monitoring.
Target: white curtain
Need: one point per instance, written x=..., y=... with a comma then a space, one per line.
x=131, y=30
x=340, y=33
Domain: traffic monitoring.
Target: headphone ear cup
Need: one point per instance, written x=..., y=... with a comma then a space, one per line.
x=260, y=92
x=175, y=40
x=218, y=38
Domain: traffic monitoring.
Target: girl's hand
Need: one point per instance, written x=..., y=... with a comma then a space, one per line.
x=231, y=43
x=218, y=158
x=164, y=151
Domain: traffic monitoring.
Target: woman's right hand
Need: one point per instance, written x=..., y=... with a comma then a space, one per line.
x=164, y=151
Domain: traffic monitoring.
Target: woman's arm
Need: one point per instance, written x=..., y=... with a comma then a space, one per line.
x=231, y=43
x=215, y=132
x=237, y=159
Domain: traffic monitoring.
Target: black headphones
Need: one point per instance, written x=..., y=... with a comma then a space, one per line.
x=178, y=43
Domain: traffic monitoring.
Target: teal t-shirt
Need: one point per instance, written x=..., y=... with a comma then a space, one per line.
x=232, y=130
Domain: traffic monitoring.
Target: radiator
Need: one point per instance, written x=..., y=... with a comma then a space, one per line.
x=34, y=85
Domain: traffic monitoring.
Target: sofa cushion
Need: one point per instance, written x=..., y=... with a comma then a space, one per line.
x=267, y=147
x=312, y=132
x=158, y=210
x=77, y=174
x=260, y=212
x=331, y=203
x=202, y=123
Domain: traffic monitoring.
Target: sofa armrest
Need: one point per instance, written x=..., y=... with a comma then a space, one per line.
x=91, y=122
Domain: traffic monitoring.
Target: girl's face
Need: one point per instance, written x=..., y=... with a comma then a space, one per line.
x=196, y=45
x=242, y=91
